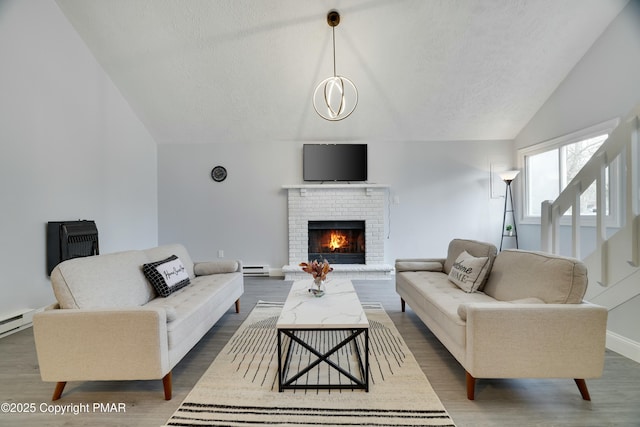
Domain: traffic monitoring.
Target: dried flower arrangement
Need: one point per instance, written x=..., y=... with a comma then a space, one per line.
x=318, y=270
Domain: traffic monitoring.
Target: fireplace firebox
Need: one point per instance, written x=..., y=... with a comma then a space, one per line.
x=339, y=242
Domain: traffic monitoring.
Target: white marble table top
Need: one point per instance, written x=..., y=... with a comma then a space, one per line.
x=339, y=308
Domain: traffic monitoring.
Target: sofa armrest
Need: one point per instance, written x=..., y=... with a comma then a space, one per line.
x=535, y=340
x=419, y=264
x=217, y=267
x=102, y=344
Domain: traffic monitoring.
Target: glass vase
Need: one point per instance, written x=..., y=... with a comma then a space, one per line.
x=318, y=287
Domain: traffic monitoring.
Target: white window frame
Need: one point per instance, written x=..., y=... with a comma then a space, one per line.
x=613, y=218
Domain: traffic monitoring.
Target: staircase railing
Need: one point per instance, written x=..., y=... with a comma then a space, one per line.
x=622, y=141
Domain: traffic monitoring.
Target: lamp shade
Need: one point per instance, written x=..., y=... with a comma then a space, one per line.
x=509, y=175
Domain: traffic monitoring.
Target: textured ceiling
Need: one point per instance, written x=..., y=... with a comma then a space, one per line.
x=203, y=71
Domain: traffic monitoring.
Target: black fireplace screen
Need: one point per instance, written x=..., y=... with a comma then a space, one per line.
x=70, y=239
x=339, y=242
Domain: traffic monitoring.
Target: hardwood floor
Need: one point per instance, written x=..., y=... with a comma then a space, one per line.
x=615, y=396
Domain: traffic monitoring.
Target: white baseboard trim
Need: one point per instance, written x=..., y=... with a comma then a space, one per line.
x=624, y=346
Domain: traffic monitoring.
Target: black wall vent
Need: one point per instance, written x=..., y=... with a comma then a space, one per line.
x=70, y=239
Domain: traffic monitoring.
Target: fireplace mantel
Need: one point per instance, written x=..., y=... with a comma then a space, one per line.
x=335, y=185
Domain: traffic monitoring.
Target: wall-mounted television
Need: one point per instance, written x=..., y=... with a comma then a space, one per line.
x=334, y=162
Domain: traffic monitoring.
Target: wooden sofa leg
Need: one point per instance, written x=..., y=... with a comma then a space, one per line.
x=471, y=386
x=238, y=305
x=166, y=383
x=582, y=386
x=402, y=304
x=57, y=393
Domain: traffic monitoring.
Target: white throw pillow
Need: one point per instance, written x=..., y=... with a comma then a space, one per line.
x=167, y=275
x=468, y=272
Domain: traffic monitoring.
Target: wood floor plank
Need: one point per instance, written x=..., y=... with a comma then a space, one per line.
x=532, y=402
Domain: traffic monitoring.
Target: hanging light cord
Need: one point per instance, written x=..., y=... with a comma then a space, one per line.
x=333, y=35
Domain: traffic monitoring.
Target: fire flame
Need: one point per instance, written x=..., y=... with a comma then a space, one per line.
x=338, y=240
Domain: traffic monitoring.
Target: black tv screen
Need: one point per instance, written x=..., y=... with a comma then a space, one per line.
x=334, y=162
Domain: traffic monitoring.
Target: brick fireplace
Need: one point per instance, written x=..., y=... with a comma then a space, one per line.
x=341, y=207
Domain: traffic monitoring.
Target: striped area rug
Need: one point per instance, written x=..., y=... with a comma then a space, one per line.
x=240, y=388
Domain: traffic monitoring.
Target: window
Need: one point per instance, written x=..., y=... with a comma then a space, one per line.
x=549, y=167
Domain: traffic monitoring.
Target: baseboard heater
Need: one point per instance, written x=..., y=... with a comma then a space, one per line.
x=15, y=322
x=255, y=270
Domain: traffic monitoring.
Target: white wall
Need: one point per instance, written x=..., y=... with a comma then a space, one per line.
x=70, y=146
x=602, y=86
x=442, y=187
x=605, y=84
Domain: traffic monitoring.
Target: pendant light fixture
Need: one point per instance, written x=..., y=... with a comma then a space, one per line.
x=335, y=97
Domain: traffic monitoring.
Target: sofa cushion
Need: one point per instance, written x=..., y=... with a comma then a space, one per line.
x=518, y=274
x=192, y=307
x=102, y=281
x=433, y=293
x=473, y=247
x=214, y=267
x=468, y=272
x=171, y=312
x=462, y=308
x=167, y=275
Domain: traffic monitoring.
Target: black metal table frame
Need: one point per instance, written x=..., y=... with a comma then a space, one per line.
x=283, y=364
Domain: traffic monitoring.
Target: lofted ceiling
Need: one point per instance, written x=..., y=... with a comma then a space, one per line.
x=205, y=71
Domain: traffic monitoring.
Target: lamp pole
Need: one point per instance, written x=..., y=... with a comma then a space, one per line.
x=508, y=177
x=504, y=215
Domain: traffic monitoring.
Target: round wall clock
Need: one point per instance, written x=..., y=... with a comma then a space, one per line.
x=219, y=173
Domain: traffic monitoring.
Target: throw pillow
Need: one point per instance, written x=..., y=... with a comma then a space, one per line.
x=215, y=267
x=418, y=266
x=167, y=275
x=468, y=272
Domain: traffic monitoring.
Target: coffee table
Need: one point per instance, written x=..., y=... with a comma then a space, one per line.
x=317, y=332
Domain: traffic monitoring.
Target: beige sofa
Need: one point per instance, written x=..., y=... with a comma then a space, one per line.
x=524, y=319
x=110, y=324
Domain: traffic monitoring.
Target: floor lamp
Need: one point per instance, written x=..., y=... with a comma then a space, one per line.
x=508, y=177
